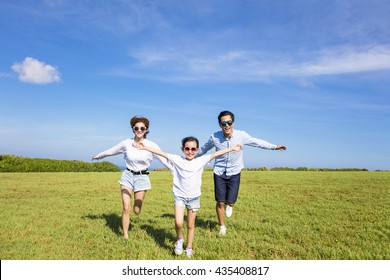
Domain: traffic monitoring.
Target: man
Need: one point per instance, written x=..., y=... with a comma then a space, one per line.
x=227, y=168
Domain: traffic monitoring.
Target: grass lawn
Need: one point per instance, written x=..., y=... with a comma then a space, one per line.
x=281, y=215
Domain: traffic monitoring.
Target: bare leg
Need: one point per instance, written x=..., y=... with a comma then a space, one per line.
x=138, y=200
x=126, y=197
x=191, y=217
x=220, y=207
x=179, y=220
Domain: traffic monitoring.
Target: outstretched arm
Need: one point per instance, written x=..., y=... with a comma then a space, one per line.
x=117, y=149
x=206, y=147
x=235, y=148
x=141, y=146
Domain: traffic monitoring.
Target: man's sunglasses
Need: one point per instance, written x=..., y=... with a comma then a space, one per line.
x=142, y=128
x=226, y=123
x=193, y=149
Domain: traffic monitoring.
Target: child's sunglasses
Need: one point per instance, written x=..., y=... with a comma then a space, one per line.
x=193, y=149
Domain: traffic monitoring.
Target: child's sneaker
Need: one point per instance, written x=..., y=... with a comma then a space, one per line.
x=222, y=230
x=179, y=247
x=189, y=252
x=228, y=211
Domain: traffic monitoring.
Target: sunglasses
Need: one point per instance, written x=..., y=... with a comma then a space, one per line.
x=226, y=123
x=142, y=128
x=193, y=149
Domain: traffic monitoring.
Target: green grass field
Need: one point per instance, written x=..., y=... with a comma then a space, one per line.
x=279, y=215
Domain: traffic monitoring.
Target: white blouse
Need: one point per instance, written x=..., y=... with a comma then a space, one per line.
x=135, y=159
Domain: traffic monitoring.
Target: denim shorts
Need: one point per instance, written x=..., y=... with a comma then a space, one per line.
x=135, y=182
x=190, y=203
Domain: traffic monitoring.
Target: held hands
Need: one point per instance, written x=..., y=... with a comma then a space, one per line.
x=140, y=146
x=281, y=148
x=237, y=148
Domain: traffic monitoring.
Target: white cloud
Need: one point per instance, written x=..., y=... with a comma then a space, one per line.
x=244, y=65
x=34, y=71
x=5, y=75
x=348, y=61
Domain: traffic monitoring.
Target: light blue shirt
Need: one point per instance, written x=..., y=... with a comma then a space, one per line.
x=232, y=163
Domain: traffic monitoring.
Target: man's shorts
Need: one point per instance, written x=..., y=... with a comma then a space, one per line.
x=226, y=187
x=189, y=203
x=135, y=182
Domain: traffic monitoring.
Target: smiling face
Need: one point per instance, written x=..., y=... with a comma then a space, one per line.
x=190, y=150
x=227, y=124
x=139, y=130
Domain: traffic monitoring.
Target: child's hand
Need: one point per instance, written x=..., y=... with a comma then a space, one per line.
x=140, y=146
x=237, y=148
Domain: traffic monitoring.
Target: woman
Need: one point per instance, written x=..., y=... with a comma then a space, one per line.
x=135, y=178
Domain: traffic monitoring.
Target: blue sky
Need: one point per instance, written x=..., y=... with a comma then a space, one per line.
x=311, y=75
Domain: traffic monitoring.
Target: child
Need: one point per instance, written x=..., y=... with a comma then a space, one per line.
x=187, y=181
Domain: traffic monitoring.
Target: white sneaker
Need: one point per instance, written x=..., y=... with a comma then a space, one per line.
x=189, y=252
x=222, y=230
x=179, y=247
x=228, y=211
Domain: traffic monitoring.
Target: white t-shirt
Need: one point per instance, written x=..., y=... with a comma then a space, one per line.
x=187, y=175
x=135, y=159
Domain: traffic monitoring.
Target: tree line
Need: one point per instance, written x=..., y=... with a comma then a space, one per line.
x=12, y=163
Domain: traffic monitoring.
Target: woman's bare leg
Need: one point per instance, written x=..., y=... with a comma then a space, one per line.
x=126, y=199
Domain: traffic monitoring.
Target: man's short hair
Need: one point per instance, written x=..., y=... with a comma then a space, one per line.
x=225, y=113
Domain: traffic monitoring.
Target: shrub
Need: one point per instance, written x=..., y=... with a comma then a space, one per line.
x=12, y=163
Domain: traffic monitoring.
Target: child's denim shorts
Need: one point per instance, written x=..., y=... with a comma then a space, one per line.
x=190, y=203
x=135, y=182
